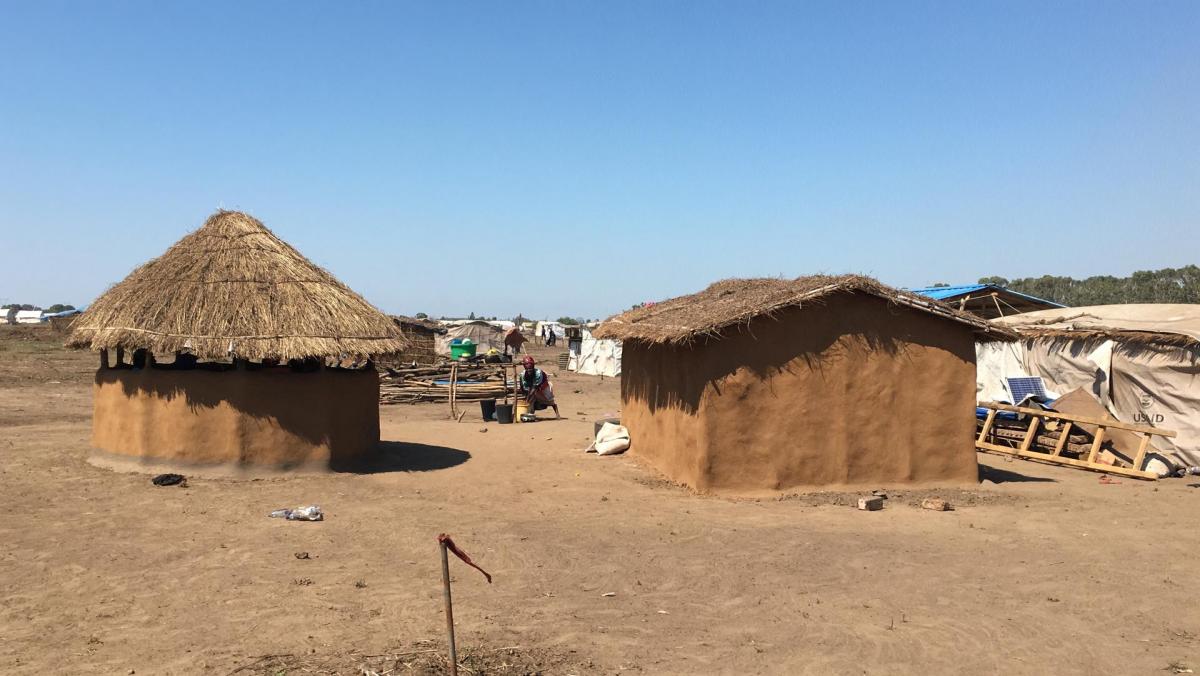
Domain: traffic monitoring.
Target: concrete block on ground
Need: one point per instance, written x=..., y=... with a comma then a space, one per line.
x=870, y=504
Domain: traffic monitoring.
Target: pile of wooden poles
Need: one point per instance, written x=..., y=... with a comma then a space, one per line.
x=1012, y=432
x=466, y=382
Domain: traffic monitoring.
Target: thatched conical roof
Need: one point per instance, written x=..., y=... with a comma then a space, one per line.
x=234, y=289
x=731, y=302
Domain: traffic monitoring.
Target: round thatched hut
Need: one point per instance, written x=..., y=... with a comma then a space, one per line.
x=231, y=348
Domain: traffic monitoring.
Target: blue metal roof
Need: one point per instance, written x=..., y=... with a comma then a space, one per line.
x=64, y=313
x=944, y=292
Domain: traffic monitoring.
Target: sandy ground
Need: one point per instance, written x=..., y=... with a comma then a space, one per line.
x=1038, y=570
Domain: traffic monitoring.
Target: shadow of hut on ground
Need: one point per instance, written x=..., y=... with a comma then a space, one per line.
x=1000, y=476
x=400, y=456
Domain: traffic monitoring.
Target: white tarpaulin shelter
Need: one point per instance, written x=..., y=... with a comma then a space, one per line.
x=29, y=317
x=559, y=330
x=483, y=334
x=1141, y=361
x=595, y=357
x=1163, y=319
x=995, y=363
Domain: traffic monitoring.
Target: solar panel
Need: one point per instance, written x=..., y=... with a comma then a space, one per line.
x=1024, y=388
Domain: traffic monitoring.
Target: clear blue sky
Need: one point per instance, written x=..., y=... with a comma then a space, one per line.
x=575, y=158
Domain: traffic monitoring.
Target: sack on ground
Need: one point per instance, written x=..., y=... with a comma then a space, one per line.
x=611, y=439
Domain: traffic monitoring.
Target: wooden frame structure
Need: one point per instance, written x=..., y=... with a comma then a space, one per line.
x=504, y=368
x=1037, y=418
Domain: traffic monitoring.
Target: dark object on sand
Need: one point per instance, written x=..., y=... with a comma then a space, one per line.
x=487, y=407
x=504, y=413
x=168, y=480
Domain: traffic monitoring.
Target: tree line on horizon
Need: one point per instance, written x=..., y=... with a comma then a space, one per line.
x=1168, y=285
x=57, y=307
x=518, y=320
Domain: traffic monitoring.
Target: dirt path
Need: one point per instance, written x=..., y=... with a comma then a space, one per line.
x=1040, y=570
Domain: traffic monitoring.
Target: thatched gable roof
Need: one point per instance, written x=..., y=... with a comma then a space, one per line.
x=737, y=301
x=234, y=289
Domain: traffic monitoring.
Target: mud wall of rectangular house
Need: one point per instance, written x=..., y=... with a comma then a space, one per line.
x=659, y=397
x=267, y=418
x=853, y=391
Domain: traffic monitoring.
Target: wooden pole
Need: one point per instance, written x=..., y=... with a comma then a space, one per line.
x=987, y=426
x=1097, y=441
x=1030, y=434
x=1064, y=438
x=449, y=610
x=514, y=383
x=1141, y=452
x=450, y=393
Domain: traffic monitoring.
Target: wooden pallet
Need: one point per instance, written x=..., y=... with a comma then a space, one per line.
x=1036, y=418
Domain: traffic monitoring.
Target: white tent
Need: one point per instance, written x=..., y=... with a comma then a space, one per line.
x=29, y=317
x=1142, y=362
x=481, y=333
x=558, y=329
x=594, y=357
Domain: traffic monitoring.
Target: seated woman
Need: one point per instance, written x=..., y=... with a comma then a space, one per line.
x=535, y=387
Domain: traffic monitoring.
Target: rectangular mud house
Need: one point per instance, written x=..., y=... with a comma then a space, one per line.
x=768, y=384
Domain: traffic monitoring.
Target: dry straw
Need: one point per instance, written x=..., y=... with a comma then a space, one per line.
x=234, y=289
x=1097, y=335
x=733, y=302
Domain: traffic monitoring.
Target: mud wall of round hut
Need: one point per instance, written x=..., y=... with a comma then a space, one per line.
x=271, y=418
x=850, y=392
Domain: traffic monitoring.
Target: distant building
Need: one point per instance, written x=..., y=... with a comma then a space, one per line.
x=484, y=334
x=559, y=330
x=422, y=340
x=30, y=317
x=987, y=300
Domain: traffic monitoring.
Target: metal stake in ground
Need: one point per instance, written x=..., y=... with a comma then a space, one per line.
x=449, y=606
x=444, y=544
